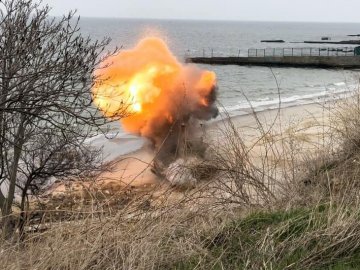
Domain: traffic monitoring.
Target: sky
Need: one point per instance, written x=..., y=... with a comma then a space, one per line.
x=234, y=10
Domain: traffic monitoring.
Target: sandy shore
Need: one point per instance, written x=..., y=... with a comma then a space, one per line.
x=132, y=176
x=304, y=120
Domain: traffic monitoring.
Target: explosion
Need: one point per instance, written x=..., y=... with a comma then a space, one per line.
x=161, y=96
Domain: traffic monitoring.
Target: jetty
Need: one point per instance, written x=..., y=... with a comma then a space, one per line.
x=342, y=42
x=287, y=57
x=273, y=41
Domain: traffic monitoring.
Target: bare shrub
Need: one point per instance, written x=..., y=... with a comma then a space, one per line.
x=46, y=113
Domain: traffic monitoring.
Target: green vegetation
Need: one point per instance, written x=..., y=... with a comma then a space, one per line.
x=263, y=240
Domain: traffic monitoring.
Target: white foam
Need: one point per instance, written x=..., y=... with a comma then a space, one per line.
x=261, y=104
x=339, y=84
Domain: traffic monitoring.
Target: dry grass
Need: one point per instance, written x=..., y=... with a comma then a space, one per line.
x=108, y=244
x=134, y=238
x=268, y=205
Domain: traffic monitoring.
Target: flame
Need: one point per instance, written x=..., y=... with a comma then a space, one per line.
x=154, y=87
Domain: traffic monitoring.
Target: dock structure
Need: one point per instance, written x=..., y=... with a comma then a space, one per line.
x=287, y=57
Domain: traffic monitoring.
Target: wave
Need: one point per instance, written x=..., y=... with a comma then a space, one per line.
x=339, y=84
x=261, y=104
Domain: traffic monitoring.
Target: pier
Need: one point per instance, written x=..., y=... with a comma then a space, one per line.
x=287, y=57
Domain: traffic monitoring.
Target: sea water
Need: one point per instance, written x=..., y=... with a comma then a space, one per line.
x=241, y=88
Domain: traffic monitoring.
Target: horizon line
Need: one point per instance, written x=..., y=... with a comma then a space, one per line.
x=208, y=20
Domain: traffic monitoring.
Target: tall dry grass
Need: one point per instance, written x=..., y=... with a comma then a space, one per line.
x=280, y=201
x=146, y=242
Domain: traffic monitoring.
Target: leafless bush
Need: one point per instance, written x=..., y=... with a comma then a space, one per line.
x=46, y=74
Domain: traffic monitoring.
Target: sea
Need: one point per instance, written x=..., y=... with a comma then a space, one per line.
x=241, y=88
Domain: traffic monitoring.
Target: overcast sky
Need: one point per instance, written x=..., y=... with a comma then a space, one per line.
x=254, y=10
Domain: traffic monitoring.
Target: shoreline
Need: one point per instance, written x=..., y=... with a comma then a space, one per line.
x=246, y=117
x=133, y=168
x=299, y=111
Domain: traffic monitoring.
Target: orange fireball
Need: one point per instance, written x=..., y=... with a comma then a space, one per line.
x=153, y=87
